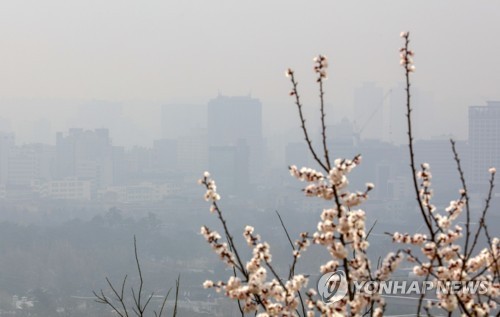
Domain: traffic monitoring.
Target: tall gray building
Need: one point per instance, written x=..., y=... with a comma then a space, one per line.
x=6, y=145
x=30, y=162
x=484, y=142
x=438, y=154
x=229, y=165
x=184, y=126
x=233, y=118
x=423, y=115
x=85, y=155
x=237, y=121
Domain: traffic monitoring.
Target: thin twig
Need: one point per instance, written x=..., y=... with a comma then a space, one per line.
x=163, y=303
x=370, y=231
x=303, y=123
x=410, y=134
x=177, y=286
x=482, y=222
x=323, y=126
x=141, y=280
x=466, y=194
x=138, y=307
x=240, y=265
x=286, y=231
x=238, y=301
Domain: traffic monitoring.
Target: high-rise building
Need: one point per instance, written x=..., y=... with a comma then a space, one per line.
x=341, y=139
x=6, y=145
x=484, y=142
x=229, y=165
x=85, y=155
x=424, y=116
x=20, y=165
x=192, y=153
x=30, y=162
x=438, y=154
x=232, y=120
x=138, y=164
x=184, y=139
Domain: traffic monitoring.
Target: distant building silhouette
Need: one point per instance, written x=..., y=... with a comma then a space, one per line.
x=6, y=145
x=183, y=146
x=423, y=115
x=85, y=155
x=30, y=162
x=341, y=139
x=229, y=164
x=232, y=120
x=67, y=189
x=438, y=153
x=192, y=153
x=484, y=142
x=138, y=162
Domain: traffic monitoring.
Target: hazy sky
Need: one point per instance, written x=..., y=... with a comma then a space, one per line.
x=58, y=53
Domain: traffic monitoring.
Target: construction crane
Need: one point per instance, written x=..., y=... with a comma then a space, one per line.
x=357, y=132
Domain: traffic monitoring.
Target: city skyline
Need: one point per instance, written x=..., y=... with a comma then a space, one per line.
x=226, y=138
x=170, y=60
x=126, y=132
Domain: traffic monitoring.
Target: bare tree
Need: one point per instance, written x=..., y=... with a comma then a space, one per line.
x=136, y=303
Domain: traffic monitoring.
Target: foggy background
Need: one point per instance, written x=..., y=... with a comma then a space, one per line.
x=111, y=110
x=58, y=55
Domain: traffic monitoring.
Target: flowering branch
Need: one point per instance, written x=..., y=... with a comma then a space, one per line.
x=465, y=193
x=445, y=262
x=254, y=291
x=320, y=69
x=290, y=73
x=437, y=255
x=213, y=237
x=407, y=62
x=341, y=229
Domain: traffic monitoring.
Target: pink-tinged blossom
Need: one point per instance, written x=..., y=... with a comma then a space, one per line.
x=406, y=55
x=436, y=256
